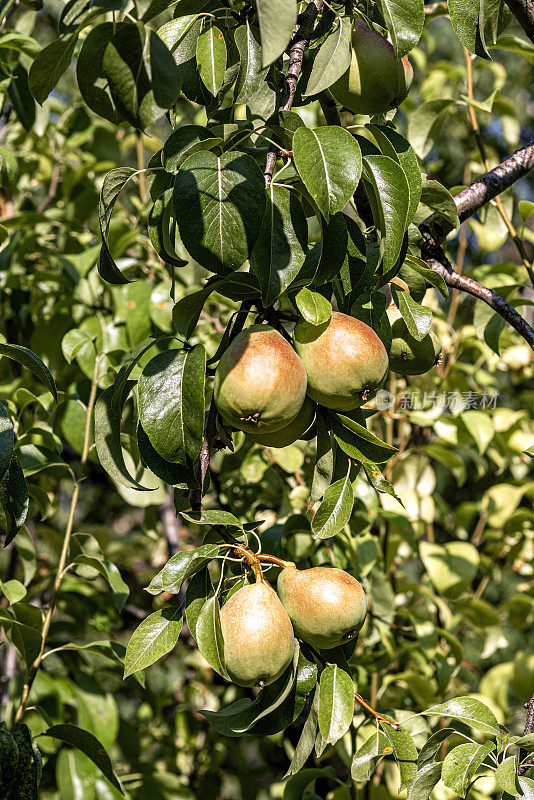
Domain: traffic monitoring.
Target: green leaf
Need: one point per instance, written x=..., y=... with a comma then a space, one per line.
x=25, y=785
x=307, y=737
x=436, y=197
x=199, y=590
x=171, y=403
x=111, y=574
x=89, y=745
x=49, y=65
x=9, y=756
x=277, y=20
x=324, y=461
x=468, y=710
x=329, y=161
x=424, y=782
x=398, y=148
x=467, y=20
x=213, y=517
x=404, y=751
x=461, y=763
x=21, y=42
x=451, y=567
x=14, y=500
x=185, y=141
x=173, y=474
x=480, y=427
x=21, y=97
x=251, y=73
x=335, y=510
x=121, y=383
x=437, y=281
x=211, y=57
x=506, y=776
x=142, y=74
x=405, y=20
x=180, y=567
x=218, y=202
x=314, y=307
x=418, y=318
x=28, y=359
x=155, y=637
x=7, y=440
x=432, y=746
x=209, y=636
x=392, y=197
x=92, y=80
x=426, y=122
x=280, y=248
x=333, y=57
x=108, y=442
x=114, y=182
x=336, y=703
x=13, y=591
x=161, y=230
x=366, y=758
x=358, y=442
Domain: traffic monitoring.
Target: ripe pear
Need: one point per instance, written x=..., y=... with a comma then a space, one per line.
x=258, y=638
x=260, y=382
x=326, y=605
x=408, y=356
x=375, y=81
x=291, y=432
x=345, y=360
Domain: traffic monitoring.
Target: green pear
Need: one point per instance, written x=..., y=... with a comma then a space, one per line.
x=408, y=356
x=345, y=360
x=326, y=605
x=258, y=637
x=291, y=432
x=375, y=82
x=260, y=382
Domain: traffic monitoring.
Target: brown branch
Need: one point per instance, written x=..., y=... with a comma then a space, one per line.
x=52, y=188
x=438, y=261
x=523, y=11
x=471, y=199
x=529, y=728
x=296, y=55
x=375, y=713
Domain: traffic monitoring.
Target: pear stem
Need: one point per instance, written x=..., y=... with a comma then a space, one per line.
x=375, y=714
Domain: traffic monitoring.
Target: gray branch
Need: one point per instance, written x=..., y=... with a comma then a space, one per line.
x=523, y=11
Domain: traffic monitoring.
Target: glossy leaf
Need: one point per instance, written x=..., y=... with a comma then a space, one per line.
x=335, y=510
x=333, y=57
x=28, y=359
x=171, y=403
x=108, y=442
x=461, y=763
x=180, y=567
x=218, y=202
x=405, y=20
x=209, y=636
x=468, y=710
x=424, y=782
x=49, y=65
x=418, y=318
x=155, y=637
x=89, y=745
x=392, y=198
x=329, y=161
x=7, y=440
x=251, y=73
x=313, y=307
x=277, y=20
x=211, y=57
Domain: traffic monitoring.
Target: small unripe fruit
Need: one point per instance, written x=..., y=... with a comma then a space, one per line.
x=345, y=360
x=260, y=382
x=375, y=81
x=326, y=605
x=291, y=432
x=258, y=637
x=407, y=356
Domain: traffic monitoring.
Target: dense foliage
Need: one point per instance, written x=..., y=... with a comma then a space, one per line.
x=169, y=177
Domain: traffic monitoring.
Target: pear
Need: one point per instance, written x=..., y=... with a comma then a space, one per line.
x=258, y=637
x=291, y=432
x=260, y=382
x=408, y=356
x=345, y=360
x=326, y=605
x=375, y=82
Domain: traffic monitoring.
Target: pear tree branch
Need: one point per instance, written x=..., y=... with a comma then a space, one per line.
x=523, y=11
x=297, y=47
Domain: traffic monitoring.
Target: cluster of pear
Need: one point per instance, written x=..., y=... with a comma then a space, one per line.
x=375, y=81
x=264, y=386
x=323, y=606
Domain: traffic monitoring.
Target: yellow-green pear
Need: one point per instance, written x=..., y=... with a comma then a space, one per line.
x=375, y=82
x=260, y=382
x=291, y=432
x=345, y=360
x=326, y=605
x=408, y=356
x=258, y=637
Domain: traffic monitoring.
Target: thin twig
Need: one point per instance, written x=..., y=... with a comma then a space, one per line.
x=375, y=714
x=52, y=188
x=529, y=728
x=473, y=121
x=296, y=55
x=64, y=551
